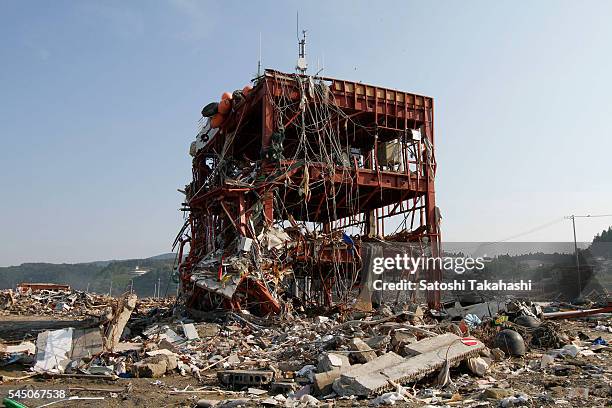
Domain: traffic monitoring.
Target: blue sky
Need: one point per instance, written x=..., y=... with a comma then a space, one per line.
x=100, y=100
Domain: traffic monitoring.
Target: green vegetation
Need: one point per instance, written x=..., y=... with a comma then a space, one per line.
x=605, y=236
x=96, y=276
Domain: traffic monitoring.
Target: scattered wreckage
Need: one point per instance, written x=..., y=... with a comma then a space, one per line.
x=394, y=354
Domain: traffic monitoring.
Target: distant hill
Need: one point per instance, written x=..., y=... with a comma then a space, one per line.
x=97, y=276
x=168, y=256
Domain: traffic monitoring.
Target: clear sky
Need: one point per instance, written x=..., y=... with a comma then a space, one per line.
x=100, y=100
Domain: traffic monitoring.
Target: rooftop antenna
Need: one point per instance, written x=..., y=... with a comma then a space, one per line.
x=319, y=70
x=259, y=60
x=301, y=65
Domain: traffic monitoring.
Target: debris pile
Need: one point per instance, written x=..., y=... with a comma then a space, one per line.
x=69, y=303
x=404, y=353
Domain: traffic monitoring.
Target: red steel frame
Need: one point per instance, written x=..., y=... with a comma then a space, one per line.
x=252, y=124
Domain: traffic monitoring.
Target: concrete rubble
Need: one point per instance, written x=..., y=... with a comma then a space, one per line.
x=383, y=357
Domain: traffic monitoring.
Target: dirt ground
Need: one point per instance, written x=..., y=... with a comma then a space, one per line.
x=27, y=327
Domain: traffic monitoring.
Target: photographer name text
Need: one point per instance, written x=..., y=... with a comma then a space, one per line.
x=465, y=284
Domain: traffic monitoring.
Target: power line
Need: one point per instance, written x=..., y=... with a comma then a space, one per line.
x=588, y=216
x=548, y=224
x=532, y=230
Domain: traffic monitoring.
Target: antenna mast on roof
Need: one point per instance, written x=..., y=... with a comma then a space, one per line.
x=259, y=60
x=301, y=65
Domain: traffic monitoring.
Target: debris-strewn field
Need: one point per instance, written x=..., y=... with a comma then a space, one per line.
x=127, y=352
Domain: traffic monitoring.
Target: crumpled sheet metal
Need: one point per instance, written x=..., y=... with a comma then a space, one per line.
x=226, y=288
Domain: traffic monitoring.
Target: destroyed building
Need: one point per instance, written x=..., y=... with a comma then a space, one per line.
x=297, y=181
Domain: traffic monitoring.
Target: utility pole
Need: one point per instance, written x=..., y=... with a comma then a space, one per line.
x=158, y=287
x=573, y=218
x=110, y=290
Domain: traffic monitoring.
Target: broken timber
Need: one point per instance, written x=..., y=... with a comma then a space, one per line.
x=120, y=318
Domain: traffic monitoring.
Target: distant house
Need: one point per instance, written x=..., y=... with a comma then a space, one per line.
x=37, y=287
x=138, y=272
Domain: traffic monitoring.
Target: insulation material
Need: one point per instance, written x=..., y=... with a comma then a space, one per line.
x=54, y=349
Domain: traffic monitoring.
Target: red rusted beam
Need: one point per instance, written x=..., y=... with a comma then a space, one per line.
x=367, y=178
x=267, y=115
x=572, y=314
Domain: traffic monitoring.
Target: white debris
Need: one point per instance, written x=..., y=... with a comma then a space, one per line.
x=390, y=398
x=54, y=349
x=478, y=366
x=321, y=319
x=514, y=401
x=172, y=336
x=190, y=331
x=546, y=361
x=26, y=347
